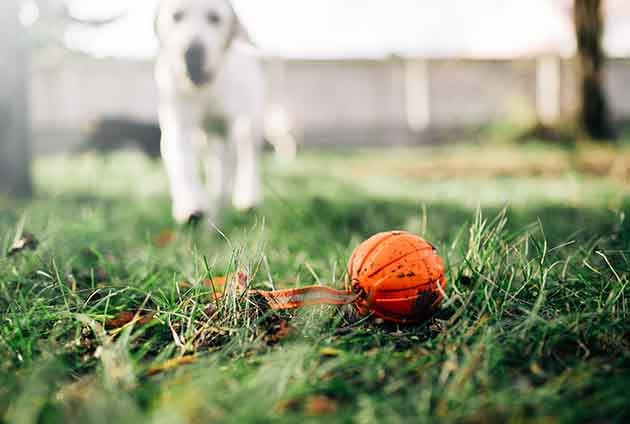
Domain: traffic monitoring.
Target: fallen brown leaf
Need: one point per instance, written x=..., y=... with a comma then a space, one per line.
x=242, y=278
x=288, y=405
x=125, y=317
x=164, y=238
x=26, y=241
x=210, y=309
x=330, y=351
x=184, y=285
x=285, y=329
x=219, y=283
x=73, y=282
x=216, y=282
x=282, y=331
x=172, y=363
x=320, y=405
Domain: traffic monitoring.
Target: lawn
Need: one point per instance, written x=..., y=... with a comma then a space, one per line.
x=109, y=317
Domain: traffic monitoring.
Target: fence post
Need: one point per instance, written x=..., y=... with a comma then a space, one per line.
x=15, y=153
x=418, y=94
x=548, y=85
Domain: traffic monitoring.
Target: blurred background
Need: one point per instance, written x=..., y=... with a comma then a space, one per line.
x=341, y=74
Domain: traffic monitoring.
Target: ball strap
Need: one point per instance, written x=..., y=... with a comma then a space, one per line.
x=310, y=295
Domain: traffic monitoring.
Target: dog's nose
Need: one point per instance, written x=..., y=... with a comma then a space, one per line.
x=195, y=57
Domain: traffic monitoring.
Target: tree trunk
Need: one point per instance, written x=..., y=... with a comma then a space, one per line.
x=15, y=154
x=589, y=28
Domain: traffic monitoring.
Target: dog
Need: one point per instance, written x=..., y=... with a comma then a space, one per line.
x=208, y=76
x=111, y=133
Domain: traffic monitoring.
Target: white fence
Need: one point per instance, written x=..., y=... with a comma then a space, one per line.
x=334, y=102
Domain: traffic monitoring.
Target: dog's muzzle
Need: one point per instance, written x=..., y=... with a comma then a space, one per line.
x=195, y=57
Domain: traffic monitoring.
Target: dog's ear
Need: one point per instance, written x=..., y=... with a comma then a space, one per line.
x=156, y=21
x=239, y=32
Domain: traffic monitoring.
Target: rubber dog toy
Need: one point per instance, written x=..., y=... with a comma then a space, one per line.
x=396, y=276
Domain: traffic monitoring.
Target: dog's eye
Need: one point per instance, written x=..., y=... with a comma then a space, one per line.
x=178, y=16
x=213, y=18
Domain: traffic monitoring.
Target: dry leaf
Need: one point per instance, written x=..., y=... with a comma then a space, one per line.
x=320, y=405
x=210, y=309
x=283, y=330
x=216, y=282
x=537, y=370
x=26, y=241
x=73, y=282
x=288, y=405
x=329, y=351
x=172, y=363
x=184, y=285
x=219, y=283
x=242, y=279
x=125, y=317
x=164, y=238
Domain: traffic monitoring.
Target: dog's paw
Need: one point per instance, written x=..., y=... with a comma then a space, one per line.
x=184, y=212
x=199, y=219
x=243, y=200
x=195, y=219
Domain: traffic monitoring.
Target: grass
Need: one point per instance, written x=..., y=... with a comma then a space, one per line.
x=535, y=326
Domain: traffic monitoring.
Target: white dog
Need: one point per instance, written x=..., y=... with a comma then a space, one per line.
x=205, y=73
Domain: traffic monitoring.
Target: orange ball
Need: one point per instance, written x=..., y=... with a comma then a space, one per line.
x=398, y=276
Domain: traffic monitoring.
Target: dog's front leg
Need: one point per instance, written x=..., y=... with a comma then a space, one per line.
x=246, y=140
x=180, y=152
x=220, y=171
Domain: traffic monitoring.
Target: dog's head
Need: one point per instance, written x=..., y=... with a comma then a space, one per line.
x=195, y=36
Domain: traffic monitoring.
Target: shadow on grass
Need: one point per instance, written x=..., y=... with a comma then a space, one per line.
x=309, y=219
